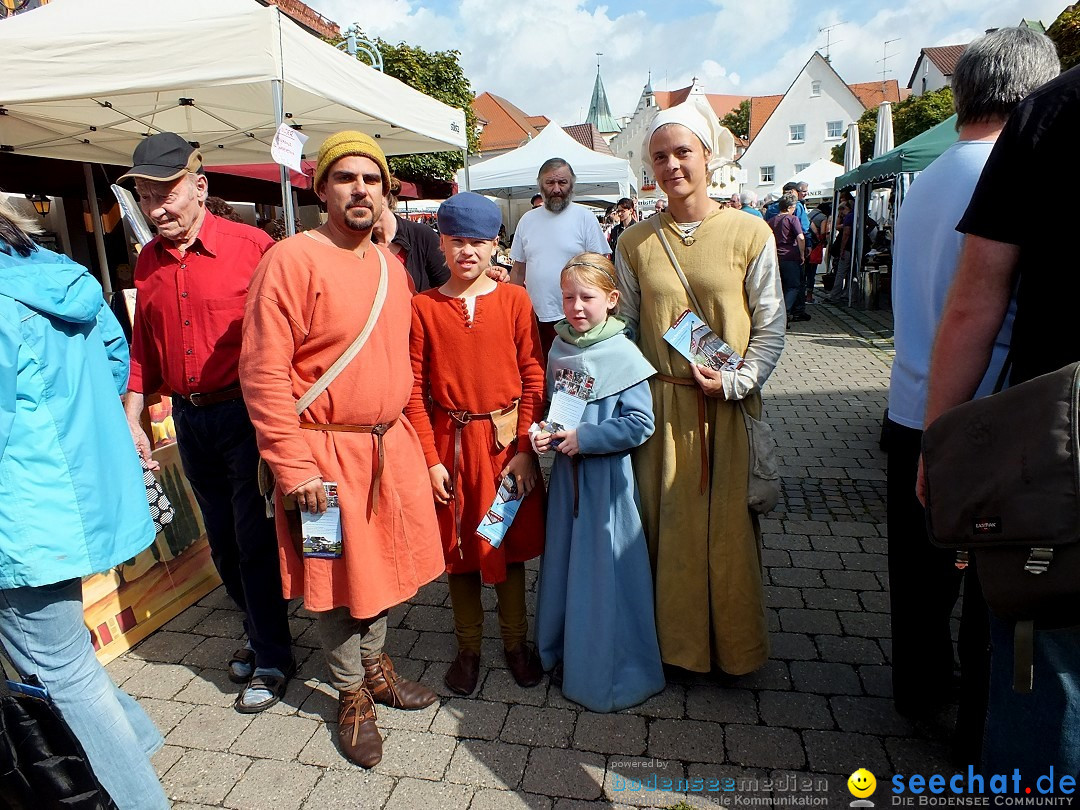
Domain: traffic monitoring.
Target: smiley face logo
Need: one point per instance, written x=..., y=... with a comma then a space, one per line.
x=861, y=783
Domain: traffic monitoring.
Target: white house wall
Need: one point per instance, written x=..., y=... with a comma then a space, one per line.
x=627, y=144
x=773, y=145
x=927, y=77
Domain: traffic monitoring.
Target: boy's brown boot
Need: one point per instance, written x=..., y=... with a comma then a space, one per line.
x=464, y=672
x=524, y=664
x=357, y=733
x=390, y=689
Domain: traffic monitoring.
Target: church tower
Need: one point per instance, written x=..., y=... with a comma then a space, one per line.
x=599, y=111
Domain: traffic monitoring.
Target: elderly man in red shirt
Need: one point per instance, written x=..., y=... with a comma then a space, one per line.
x=192, y=280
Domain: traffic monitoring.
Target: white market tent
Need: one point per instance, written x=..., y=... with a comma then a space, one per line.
x=513, y=175
x=819, y=176
x=87, y=79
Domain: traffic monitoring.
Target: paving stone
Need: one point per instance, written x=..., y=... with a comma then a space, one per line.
x=419, y=794
x=274, y=736
x=342, y=789
x=871, y=625
x=876, y=680
x=874, y=545
x=824, y=678
x=796, y=578
x=669, y=703
x=211, y=687
x=792, y=647
x=210, y=728
x=870, y=715
x=830, y=599
x=786, y=542
x=165, y=757
x=320, y=704
x=853, y=529
x=841, y=752
x=836, y=544
x=817, y=560
x=865, y=562
x=875, y=601
x=470, y=718
x=795, y=710
x=123, y=667
x=428, y=617
x=852, y=580
x=802, y=620
x=919, y=756
x=762, y=747
x=640, y=782
x=566, y=773
x=225, y=623
x=778, y=597
x=435, y=647
x=322, y=750
x=269, y=784
x=159, y=681
x=721, y=705
x=165, y=713
x=166, y=647
x=218, y=599
x=686, y=740
x=418, y=754
x=544, y=726
x=187, y=619
x=487, y=799
x=774, y=675
x=399, y=642
x=500, y=686
x=408, y=720
x=849, y=650
x=610, y=733
x=773, y=557
x=204, y=776
x=479, y=763
x=213, y=652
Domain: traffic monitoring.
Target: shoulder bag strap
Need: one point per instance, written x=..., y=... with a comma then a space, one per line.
x=339, y=365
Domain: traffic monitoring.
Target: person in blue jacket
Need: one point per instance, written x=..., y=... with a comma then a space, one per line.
x=72, y=498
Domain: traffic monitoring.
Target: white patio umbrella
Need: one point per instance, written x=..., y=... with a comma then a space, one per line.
x=883, y=140
x=852, y=155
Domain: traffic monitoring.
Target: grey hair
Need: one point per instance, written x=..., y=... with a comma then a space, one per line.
x=555, y=163
x=747, y=198
x=16, y=227
x=997, y=70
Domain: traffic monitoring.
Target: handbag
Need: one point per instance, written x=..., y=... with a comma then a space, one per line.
x=817, y=253
x=1003, y=482
x=161, y=509
x=763, y=479
x=42, y=763
x=265, y=476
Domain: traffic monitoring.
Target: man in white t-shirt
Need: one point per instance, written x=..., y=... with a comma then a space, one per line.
x=547, y=238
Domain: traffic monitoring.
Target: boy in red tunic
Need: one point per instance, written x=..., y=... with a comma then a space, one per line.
x=479, y=385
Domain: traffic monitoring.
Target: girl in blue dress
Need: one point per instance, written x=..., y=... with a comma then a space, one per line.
x=594, y=617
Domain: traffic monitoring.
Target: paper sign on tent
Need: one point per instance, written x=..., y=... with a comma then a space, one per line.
x=288, y=147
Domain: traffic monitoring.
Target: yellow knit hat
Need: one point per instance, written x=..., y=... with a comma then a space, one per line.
x=344, y=144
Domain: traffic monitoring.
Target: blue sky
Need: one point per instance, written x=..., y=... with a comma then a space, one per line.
x=541, y=56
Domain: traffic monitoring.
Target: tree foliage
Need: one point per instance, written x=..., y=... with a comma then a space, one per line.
x=438, y=74
x=911, y=117
x=738, y=120
x=1065, y=32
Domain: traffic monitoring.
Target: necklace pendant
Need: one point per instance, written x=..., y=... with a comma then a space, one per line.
x=687, y=239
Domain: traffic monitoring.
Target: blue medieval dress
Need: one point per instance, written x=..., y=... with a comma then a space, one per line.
x=595, y=594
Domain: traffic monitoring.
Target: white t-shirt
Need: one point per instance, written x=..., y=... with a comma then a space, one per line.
x=926, y=253
x=545, y=242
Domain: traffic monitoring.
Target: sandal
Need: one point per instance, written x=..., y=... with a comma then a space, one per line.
x=241, y=665
x=274, y=684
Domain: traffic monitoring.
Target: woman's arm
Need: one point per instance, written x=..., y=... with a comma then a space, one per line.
x=630, y=293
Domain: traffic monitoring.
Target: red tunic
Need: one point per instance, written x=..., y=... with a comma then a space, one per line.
x=478, y=365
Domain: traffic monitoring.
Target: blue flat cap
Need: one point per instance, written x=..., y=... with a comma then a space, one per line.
x=470, y=216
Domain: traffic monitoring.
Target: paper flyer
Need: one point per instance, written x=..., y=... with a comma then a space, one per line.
x=693, y=339
x=496, y=522
x=287, y=148
x=573, y=389
x=133, y=214
x=322, y=532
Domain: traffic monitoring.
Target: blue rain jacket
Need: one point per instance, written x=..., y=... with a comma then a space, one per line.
x=72, y=497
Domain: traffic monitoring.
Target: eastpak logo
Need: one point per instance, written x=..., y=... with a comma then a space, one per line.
x=990, y=525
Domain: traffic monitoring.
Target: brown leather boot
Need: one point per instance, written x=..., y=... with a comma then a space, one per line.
x=525, y=665
x=464, y=672
x=357, y=733
x=390, y=689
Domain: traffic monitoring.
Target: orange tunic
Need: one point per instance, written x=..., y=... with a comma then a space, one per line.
x=308, y=301
x=478, y=365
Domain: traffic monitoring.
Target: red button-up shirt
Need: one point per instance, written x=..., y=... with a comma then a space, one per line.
x=189, y=309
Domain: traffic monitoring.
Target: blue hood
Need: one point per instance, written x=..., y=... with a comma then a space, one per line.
x=51, y=284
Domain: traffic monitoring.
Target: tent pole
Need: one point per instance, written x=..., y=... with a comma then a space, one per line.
x=286, y=184
x=99, y=239
x=465, y=165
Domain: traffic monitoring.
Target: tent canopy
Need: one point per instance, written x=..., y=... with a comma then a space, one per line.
x=513, y=175
x=87, y=80
x=819, y=176
x=911, y=156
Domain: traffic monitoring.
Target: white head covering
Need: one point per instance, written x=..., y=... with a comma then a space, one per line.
x=699, y=117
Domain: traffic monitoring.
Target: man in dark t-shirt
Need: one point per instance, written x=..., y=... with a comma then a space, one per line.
x=790, y=251
x=1033, y=731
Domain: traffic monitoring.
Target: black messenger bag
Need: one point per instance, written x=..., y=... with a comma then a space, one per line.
x=1003, y=482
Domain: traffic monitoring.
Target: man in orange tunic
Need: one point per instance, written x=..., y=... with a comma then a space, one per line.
x=309, y=299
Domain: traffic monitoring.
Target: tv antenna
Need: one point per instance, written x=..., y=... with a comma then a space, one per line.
x=885, y=57
x=827, y=31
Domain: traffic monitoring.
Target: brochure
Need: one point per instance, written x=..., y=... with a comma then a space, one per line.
x=572, y=392
x=322, y=532
x=495, y=523
x=693, y=339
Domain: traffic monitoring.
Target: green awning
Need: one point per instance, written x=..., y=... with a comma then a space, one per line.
x=911, y=156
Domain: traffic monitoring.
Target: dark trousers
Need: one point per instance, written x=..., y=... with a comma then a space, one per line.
x=547, y=336
x=791, y=281
x=809, y=276
x=217, y=449
x=924, y=584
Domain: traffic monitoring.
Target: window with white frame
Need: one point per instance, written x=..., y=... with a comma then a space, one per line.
x=796, y=133
x=815, y=88
x=801, y=166
x=767, y=174
x=834, y=129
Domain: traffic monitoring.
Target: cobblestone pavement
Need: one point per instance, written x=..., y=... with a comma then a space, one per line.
x=817, y=711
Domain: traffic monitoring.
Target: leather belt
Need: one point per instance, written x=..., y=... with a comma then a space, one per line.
x=377, y=431
x=690, y=382
x=214, y=397
x=460, y=419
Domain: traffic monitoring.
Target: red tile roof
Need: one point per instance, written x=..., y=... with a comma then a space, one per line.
x=945, y=57
x=589, y=136
x=871, y=94
x=307, y=17
x=761, y=107
x=507, y=126
x=721, y=104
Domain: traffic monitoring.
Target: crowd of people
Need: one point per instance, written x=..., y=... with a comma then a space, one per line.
x=463, y=375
